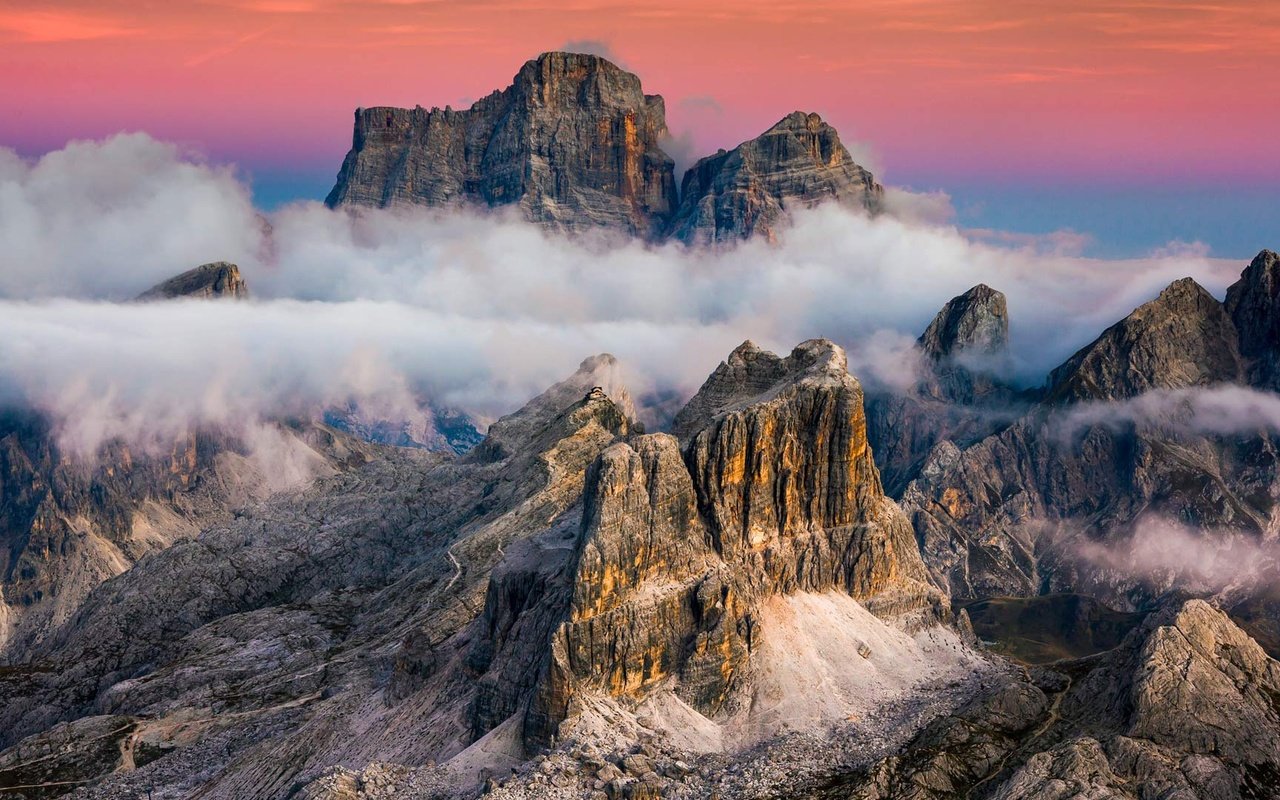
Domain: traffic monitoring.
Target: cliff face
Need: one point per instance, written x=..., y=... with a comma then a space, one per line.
x=574, y=142
x=775, y=494
x=749, y=190
x=1254, y=305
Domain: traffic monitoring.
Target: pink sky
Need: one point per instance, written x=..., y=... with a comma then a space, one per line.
x=1019, y=90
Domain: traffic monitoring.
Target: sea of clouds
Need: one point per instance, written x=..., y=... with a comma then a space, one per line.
x=475, y=310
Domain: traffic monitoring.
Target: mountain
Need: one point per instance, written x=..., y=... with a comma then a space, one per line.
x=1184, y=707
x=69, y=521
x=1254, y=305
x=572, y=587
x=574, y=143
x=736, y=608
x=216, y=280
x=1183, y=338
x=959, y=393
x=748, y=191
x=1113, y=451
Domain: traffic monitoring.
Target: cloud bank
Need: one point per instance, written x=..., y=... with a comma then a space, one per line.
x=479, y=311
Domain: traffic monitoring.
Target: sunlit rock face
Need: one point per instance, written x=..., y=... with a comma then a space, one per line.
x=750, y=190
x=574, y=143
x=775, y=493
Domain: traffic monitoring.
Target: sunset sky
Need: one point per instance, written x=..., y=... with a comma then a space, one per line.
x=1134, y=122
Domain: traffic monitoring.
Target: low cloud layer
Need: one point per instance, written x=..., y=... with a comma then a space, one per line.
x=479, y=311
x=1164, y=553
x=1214, y=411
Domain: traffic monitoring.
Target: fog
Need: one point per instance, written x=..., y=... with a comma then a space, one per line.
x=474, y=310
x=1215, y=411
x=1165, y=553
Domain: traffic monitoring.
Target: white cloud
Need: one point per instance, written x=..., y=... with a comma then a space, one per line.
x=475, y=310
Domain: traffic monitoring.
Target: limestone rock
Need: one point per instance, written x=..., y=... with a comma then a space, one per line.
x=1254, y=305
x=1182, y=338
x=976, y=322
x=775, y=493
x=69, y=521
x=960, y=394
x=1183, y=708
x=750, y=190
x=216, y=280
x=573, y=142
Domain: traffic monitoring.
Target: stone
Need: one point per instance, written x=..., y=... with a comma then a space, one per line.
x=973, y=323
x=573, y=143
x=209, y=281
x=752, y=189
x=1181, y=339
x=1253, y=302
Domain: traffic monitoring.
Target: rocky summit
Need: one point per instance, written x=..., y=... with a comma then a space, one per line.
x=216, y=280
x=576, y=146
x=748, y=191
x=574, y=143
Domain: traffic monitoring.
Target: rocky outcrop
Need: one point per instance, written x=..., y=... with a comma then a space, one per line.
x=574, y=143
x=775, y=493
x=749, y=191
x=1012, y=514
x=285, y=615
x=1184, y=708
x=1182, y=338
x=210, y=281
x=975, y=323
x=1254, y=305
x=960, y=394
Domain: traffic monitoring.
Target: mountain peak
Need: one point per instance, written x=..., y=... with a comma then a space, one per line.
x=1254, y=305
x=975, y=322
x=574, y=142
x=1182, y=338
x=750, y=374
x=214, y=280
x=797, y=163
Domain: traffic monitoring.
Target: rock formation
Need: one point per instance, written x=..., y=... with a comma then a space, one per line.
x=749, y=191
x=216, y=280
x=976, y=322
x=959, y=393
x=69, y=521
x=1184, y=708
x=775, y=493
x=1254, y=305
x=736, y=609
x=573, y=142
x=495, y=603
x=1008, y=514
x=1182, y=338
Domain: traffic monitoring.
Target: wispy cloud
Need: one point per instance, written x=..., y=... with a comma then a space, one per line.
x=226, y=49
x=60, y=26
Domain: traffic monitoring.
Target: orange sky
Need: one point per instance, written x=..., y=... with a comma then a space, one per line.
x=1019, y=89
